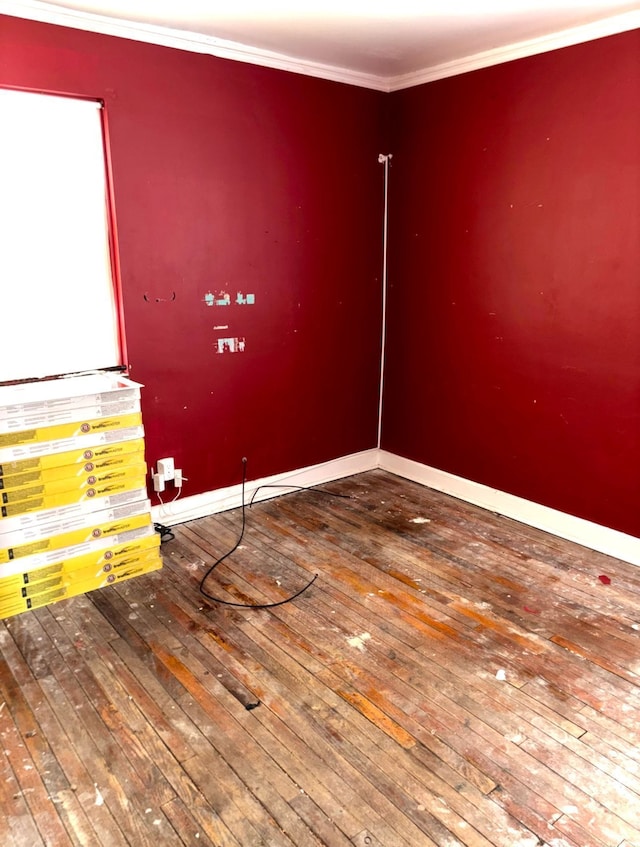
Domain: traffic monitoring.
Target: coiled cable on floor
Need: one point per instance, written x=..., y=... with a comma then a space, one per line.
x=233, y=549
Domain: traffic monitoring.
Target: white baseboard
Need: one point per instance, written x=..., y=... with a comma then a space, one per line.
x=588, y=534
x=201, y=505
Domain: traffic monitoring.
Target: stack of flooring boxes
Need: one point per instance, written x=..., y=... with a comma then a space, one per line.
x=74, y=513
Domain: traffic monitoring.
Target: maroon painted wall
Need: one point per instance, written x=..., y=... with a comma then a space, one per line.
x=233, y=177
x=513, y=354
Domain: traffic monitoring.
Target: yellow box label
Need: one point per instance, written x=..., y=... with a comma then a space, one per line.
x=69, y=430
x=32, y=526
x=66, y=498
x=117, y=526
x=42, y=416
x=88, y=565
x=136, y=566
x=17, y=604
x=83, y=483
x=97, y=454
x=63, y=445
x=70, y=475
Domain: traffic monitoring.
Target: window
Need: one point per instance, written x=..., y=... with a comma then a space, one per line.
x=58, y=310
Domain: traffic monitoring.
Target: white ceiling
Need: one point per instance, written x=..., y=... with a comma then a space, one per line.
x=384, y=40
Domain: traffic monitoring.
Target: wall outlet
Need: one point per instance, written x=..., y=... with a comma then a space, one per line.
x=167, y=468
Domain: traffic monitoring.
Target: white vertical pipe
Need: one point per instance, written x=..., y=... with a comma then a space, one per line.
x=382, y=158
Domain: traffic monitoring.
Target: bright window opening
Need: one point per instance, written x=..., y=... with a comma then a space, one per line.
x=58, y=310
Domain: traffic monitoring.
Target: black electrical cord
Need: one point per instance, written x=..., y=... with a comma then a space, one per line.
x=233, y=549
x=166, y=533
x=299, y=488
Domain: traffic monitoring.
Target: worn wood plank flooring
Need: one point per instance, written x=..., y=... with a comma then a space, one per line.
x=451, y=678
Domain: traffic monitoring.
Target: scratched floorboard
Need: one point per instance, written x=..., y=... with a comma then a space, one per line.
x=451, y=678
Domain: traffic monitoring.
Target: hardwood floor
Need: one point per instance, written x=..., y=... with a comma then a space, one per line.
x=451, y=678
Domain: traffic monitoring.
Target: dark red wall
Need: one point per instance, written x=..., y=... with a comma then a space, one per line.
x=513, y=354
x=231, y=176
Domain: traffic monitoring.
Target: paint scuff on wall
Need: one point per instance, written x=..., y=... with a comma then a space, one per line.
x=223, y=298
x=230, y=345
x=220, y=298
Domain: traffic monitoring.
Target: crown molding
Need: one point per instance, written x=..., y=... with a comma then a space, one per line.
x=184, y=40
x=198, y=43
x=520, y=50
